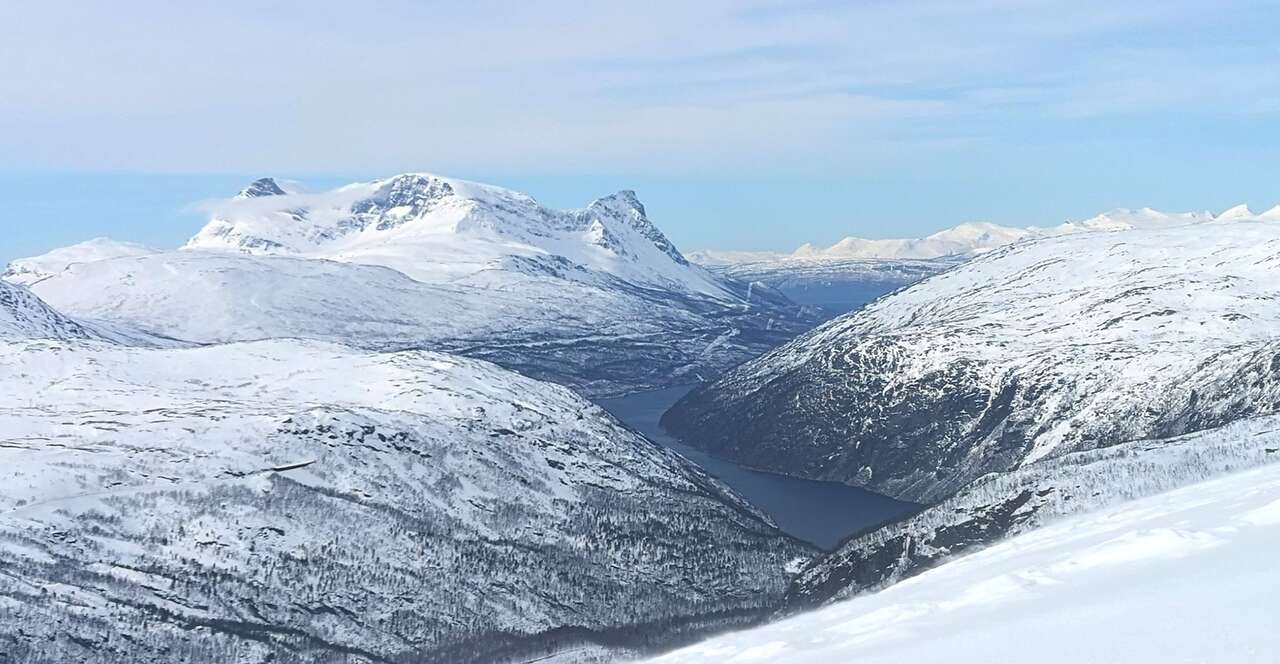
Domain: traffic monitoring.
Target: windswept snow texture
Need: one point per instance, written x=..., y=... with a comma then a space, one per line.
x=595, y=298
x=1027, y=352
x=296, y=501
x=1185, y=576
x=27, y=271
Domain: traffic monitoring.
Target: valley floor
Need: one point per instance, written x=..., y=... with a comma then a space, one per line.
x=1185, y=576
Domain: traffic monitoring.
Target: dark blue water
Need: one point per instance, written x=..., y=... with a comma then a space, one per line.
x=823, y=513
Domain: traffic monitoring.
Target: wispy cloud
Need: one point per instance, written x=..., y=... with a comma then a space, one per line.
x=661, y=86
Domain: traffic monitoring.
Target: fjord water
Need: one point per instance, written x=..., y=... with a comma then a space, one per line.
x=823, y=513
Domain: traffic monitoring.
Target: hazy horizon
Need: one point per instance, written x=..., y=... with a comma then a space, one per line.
x=754, y=125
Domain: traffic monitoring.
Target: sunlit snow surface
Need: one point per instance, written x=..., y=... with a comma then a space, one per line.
x=1186, y=576
x=596, y=298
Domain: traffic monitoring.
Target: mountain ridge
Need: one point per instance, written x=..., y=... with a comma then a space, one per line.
x=1026, y=352
x=975, y=237
x=283, y=500
x=596, y=298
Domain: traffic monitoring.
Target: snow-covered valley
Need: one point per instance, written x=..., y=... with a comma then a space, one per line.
x=1027, y=352
x=823, y=513
x=721, y=332
x=295, y=501
x=286, y=441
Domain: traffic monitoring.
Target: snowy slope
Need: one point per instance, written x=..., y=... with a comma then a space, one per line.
x=595, y=298
x=298, y=501
x=1185, y=576
x=1030, y=351
x=999, y=505
x=438, y=229
x=856, y=271
x=27, y=271
x=23, y=315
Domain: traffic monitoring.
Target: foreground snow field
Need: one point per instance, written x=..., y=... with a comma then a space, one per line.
x=1185, y=576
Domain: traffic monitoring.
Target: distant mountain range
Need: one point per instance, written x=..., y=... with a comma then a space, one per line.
x=855, y=271
x=970, y=239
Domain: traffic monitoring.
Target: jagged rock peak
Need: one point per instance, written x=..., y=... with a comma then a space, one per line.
x=261, y=187
x=625, y=206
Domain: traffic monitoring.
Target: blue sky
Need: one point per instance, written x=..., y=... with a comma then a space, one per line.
x=746, y=124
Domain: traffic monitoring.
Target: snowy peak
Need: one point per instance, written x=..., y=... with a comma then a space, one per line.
x=1236, y=213
x=438, y=229
x=979, y=236
x=624, y=208
x=963, y=240
x=973, y=238
x=261, y=187
x=402, y=199
x=27, y=271
x=1124, y=219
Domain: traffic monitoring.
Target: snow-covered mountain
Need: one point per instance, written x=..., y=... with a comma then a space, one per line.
x=1027, y=352
x=970, y=239
x=26, y=271
x=963, y=240
x=1187, y=576
x=595, y=298
x=1001, y=505
x=718, y=257
x=856, y=271
x=298, y=501
x=438, y=229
